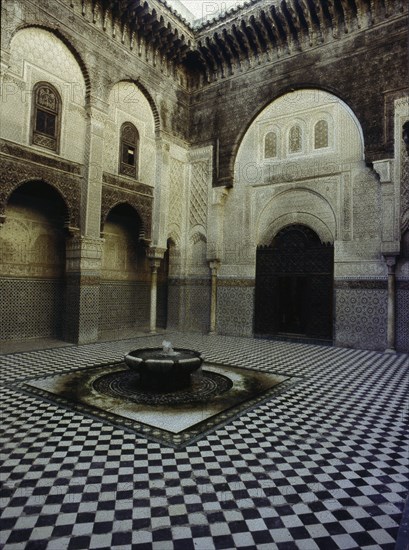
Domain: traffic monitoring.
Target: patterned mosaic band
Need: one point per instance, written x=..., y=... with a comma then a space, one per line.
x=236, y=282
x=83, y=279
x=189, y=282
x=361, y=284
x=402, y=284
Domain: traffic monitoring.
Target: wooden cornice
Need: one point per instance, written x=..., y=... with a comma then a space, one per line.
x=261, y=31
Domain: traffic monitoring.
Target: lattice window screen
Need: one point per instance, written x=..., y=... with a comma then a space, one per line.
x=295, y=139
x=270, y=145
x=321, y=134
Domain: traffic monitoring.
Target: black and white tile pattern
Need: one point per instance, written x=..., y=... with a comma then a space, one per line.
x=321, y=466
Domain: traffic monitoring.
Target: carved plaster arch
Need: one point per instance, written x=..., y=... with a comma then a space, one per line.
x=68, y=42
x=198, y=235
x=302, y=218
x=71, y=204
x=113, y=200
x=316, y=212
x=174, y=235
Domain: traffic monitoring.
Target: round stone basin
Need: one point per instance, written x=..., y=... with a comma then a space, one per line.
x=160, y=371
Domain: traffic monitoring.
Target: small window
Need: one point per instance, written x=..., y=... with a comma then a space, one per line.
x=46, y=116
x=295, y=139
x=270, y=145
x=128, y=162
x=321, y=134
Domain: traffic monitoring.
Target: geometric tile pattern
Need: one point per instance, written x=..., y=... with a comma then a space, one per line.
x=402, y=308
x=235, y=309
x=123, y=304
x=30, y=308
x=111, y=393
x=361, y=317
x=323, y=465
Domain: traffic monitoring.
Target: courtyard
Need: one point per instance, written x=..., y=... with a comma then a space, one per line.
x=322, y=464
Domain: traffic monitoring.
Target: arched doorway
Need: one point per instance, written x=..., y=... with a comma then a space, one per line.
x=32, y=263
x=294, y=285
x=125, y=275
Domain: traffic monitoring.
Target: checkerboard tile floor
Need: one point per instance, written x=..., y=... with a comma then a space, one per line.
x=322, y=466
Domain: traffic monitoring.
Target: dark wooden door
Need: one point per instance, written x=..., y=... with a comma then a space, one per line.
x=294, y=285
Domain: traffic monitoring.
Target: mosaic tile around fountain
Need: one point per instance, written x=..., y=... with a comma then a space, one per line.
x=109, y=393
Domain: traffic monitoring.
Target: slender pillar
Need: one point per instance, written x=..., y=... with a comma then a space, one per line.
x=155, y=256
x=391, y=262
x=154, y=292
x=214, y=266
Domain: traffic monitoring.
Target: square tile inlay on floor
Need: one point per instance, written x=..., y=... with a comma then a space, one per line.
x=111, y=393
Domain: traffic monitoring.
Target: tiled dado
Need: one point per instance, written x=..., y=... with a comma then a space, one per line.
x=361, y=313
x=402, y=308
x=235, y=306
x=189, y=304
x=359, y=284
x=123, y=304
x=31, y=308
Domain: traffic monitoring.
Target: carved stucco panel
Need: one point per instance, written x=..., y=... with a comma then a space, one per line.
x=176, y=202
x=199, y=193
x=366, y=206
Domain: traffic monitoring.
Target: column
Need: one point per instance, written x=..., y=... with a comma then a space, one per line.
x=93, y=170
x=84, y=250
x=155, y=256
x=391, y=263
x=83, y=272
x=214, y=266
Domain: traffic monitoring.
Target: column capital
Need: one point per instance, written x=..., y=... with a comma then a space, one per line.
x=214, y=264
x=219, y=195
x=390, y=261
x=155, y=253
x=384, y=170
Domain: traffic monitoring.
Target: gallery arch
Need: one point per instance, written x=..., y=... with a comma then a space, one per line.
x=32, y=263
x=294, y=202
x=125, y=274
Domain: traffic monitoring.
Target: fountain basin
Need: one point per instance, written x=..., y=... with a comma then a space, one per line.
x=164, y=371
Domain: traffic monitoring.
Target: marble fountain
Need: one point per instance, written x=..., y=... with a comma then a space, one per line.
x=164, y=369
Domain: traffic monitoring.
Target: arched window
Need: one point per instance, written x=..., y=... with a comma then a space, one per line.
x=270, y=145
x=129, y=145
x=46, y=116
x=295, y=139
x=321, y=134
